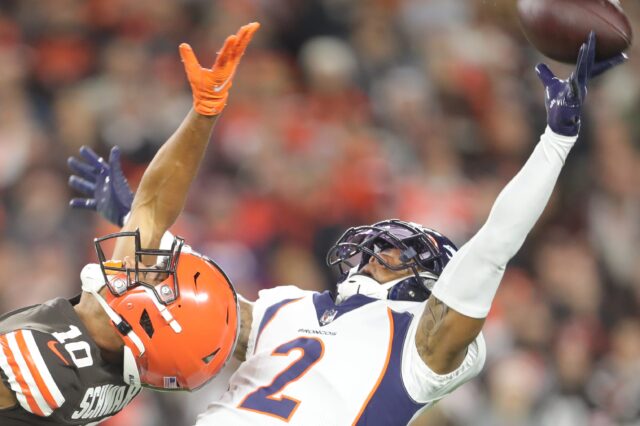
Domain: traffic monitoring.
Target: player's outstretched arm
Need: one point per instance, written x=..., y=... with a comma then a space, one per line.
x=463, y=294
x=164, y=185
x=103, y=183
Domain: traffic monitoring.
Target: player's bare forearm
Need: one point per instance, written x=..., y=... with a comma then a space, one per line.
x=443, y=336
x=163, y=189
x=246, y=317
x=7, y=399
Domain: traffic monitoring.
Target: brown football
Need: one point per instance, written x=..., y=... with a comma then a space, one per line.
x=557, y=28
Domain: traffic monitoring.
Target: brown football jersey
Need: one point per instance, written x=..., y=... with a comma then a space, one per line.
x=55, y=370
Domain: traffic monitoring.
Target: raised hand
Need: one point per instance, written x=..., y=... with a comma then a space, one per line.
x=103, y=183
x=564, y=98
x=210, y=87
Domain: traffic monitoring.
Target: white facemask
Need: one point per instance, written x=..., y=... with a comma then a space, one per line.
x=357, y=283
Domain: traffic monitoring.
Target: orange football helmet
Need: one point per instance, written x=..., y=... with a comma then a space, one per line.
x=179, y=319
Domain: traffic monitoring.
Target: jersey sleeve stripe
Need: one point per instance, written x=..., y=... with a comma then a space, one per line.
x=26, y=354
x=44, y=409
x=39, y=369
x=19, y=385
x=8, y=371
x=43, y=370
x=384, y=369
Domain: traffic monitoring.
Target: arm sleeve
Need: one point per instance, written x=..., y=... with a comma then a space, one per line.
x=469, y=282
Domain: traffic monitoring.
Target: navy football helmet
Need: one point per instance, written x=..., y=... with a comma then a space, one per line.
x=424, y=252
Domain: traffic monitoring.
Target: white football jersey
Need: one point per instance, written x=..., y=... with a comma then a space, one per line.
x=314, y=363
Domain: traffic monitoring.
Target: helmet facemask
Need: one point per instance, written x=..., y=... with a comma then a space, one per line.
x=423, y=254
x=184, y=301
x=166, y=290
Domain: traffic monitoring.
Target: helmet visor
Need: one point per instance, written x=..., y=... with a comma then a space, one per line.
x=359, y=244
x=419, y=250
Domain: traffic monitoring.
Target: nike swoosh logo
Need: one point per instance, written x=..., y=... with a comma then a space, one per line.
x=52, y=345
x=219, y=88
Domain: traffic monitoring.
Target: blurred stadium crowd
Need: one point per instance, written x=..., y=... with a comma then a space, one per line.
x=343, y=113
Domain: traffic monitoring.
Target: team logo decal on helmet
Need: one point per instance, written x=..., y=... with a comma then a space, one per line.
x=179, y=319
x=423, y=252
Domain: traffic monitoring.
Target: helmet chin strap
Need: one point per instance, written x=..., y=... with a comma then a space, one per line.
x=130, y=371
x=357, y=283
x=92, y=282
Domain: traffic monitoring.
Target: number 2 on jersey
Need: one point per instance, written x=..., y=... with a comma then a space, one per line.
x=262, y=399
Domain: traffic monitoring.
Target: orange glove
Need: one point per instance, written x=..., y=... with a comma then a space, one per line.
x=210, y=87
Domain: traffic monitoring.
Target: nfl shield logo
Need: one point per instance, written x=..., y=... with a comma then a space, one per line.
x=328, y=316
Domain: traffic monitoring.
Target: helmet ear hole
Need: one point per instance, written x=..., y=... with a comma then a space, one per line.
x=195, y=279
x=207, y=359
x=409, y=289
x=145, y=323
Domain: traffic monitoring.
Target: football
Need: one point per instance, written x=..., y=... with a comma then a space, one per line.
x=557, y=28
